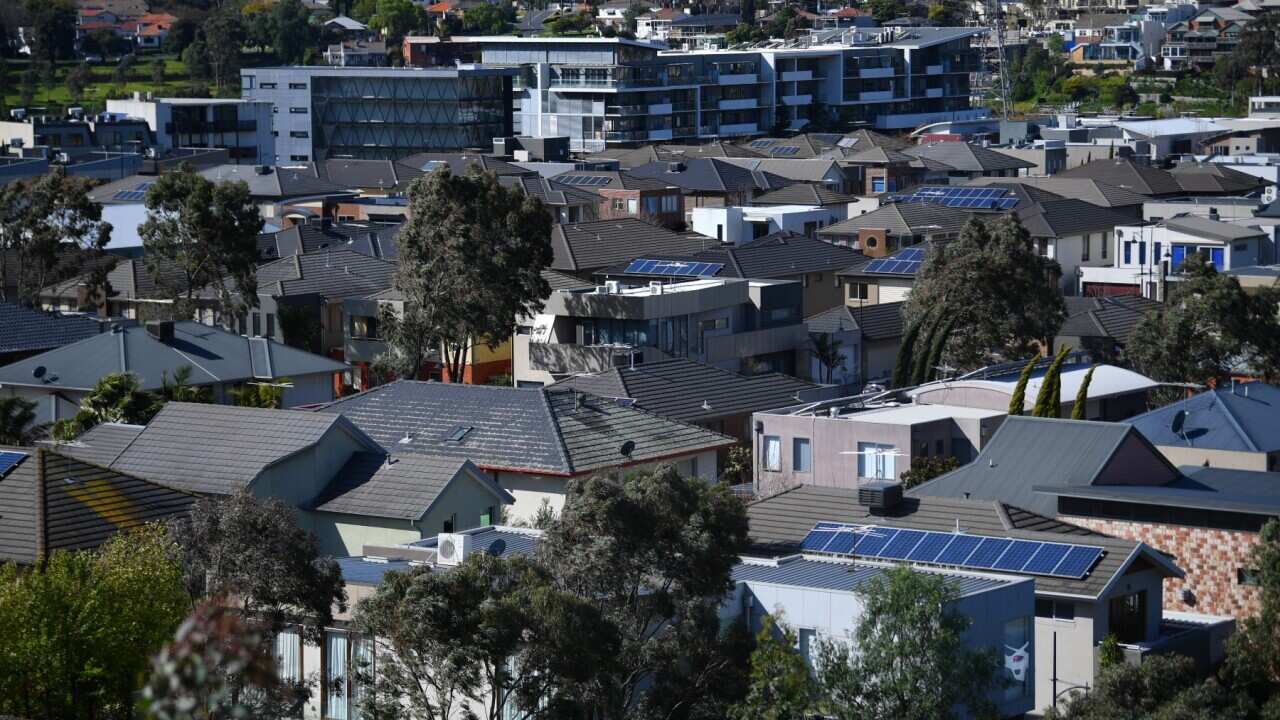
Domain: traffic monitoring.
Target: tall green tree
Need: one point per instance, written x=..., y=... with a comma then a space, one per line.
x=209, y=232
x=938, y=348
x=81, y=627
x=77, y=79
x=471, y=259
x=1259, y=46
x=906, y=352
x=826, y=350
x=223, y=36
x=1080, y=409
x=54, y=24
x=1162, y=686
x=1049, y=399
x=782, y=687
x=396, y=18
x=1209, y=329
x=911, y=659
x=1253, y=656
x=290, y=22
x=1018, y=401
x=1001, y=292
x=924, y=343
x=653, y=552
x=17, y=421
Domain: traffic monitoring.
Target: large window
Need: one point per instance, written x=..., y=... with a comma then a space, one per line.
x=348, y=670
x=801, y=455
x=288, y=651
x=876, y=461
x=1017, y=658
x=772, y=453
x=1129, y=617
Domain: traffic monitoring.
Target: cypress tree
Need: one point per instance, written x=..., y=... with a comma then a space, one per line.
x=1082, y=395
x=920, y=372
x=1049, y=401
x=902, y=370
x=1019, y=400
x=939, y=345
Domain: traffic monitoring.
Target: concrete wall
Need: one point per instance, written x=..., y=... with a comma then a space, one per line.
x=309, y=389
x=343, y=535
x=50, y=406
x=1236, y=460
x=302, y=477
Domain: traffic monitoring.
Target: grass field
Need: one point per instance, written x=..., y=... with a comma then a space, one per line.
x=140, y=78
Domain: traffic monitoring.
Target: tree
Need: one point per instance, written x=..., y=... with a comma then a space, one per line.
x=1001, y=293
x=1162, y=686
x=653, y=552
x=885, y=10
x=485, y=20
x=939, y=347
x=81, y=626
x=77, y=79
x=53, y=23
x=1208, y=329
x=117, y=398
x=261, y=394
x=293, y=31
x=920, y=355
x=1049, y=399
x=925, y=468
x=208, y=232
x=17, y=416
x=27, y=88
x=826, y=350
x=745, y=33
x=120, y=75
x=157, y=72
x=781, y=686
x=1253, y=653
x=471, y=258
x=180, y=389
x=196, y=57
x=1259, y=46
x=48, y=221
x=251, y=553
x=486, y=638
x=1078, y=410
x=911, y=661
x=222, y=35
x=902, y=368
x=1018, y=401
x=396, y=18
x=181, y=34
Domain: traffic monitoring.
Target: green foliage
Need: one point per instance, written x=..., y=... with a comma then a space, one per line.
x=781, y=686
x=1253, y=655
x=208, y=233
x=1109, y=652
x=1055, y=43
x=1162, y=687
x=920, y=355
x=470, y=258
x=117, y=398
x=17, y=416
x=79, y=630
x=397, y=18
x=486, y=20
x=1018, y=401
x=885, y=10
x=569, y=24
x=673, y=542
x=745, y=33
x=925, y=468
x=179, y=388
x=902, y=368
x=938, y=349
x=1081, y=405
x=738, y=465
x=786, y=23
x=300, y=326
x=1002, y=294
x=261, y=394
x=1209, y=329
x=911, y=661
x=1049, y=400
x=501, y=380
x=77, y=79
x=826, y=350
x=292, y=31
x=53, y=23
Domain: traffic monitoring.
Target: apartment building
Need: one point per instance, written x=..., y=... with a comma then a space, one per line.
x=380, y=113
x=741, y=325
x=242, y=127
x=607, y=92
x=1199, y=41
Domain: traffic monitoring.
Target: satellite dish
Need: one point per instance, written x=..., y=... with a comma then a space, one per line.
x=38, y=372
x=1179, y=419
x=628, y=447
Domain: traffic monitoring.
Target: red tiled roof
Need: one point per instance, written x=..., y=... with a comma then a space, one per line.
x=156, y=29
x=157, y=18
x=848, y=12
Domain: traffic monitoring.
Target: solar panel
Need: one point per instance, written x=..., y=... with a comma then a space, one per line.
x=1078, y=562
x=903, y=544
x=843, y=542
x=874, y=540
x=1017, y=555
x=786, y=150
x=816, y=540
x=959, y=550
x=932, y=545
x=960, y=197
x=761, y=143
x=8, y=460
x=988, y=553
x=673, y=268
x=1046, y=558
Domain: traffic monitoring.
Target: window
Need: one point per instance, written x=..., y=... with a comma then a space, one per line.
x=619, y=204
x=858, y=291
x=1248, y=576
x=364, y=327
x=257, y=324
x=297, y=111
x=450, y=523
x=1128, y=252
x=1017, y=658
x=267, y=86
x=806, y=639
x=1088, y=241
x=488, y=516
x=772, y=453
x=300, y=134
x=1055, y=609
x=651, y=205
x=876, y=461
x=299, y=158
x=670, y=203
x=271, y=325
x=288, y=651
x=633, y=205
x=1142, y=254
x=801, y=455
x=348, y=668
x=877, y=185
x=1129, y=617
x=297, y=86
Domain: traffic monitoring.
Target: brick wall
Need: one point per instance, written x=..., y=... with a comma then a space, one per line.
x=1209, y=557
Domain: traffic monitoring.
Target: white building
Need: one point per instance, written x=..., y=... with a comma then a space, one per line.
x=742, y=224
x=242, y=127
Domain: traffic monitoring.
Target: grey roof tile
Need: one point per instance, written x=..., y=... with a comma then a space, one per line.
x=587, y=246
x=101, y=444
x=903, y=218
x=711, y=175
x=967, y=157
x=1127, y=174
x=1242, y=418
x=882, y=321
x=1067, y=217
x=1115, y=316
x=1090, y=190
x=334, y=274
x=804, y=194
x=376, y=240
x=397, y=486
x=25, y=330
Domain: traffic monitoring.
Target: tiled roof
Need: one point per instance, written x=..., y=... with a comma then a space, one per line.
x=690, y=391
x=461, y=163
x=1127, y=174
x=101, y=444
x=780, y=255
x=545, y=431
x=967, y=157
x=618, y=180
x=903, y=218
x=593, y=245
x=213, y=354
x=863, y=139
x=403, y=487
x=1204, y=227
x=804, y=194
x=1113, y=317
x=1067, y=217
x=1091, y=191
x=1250, y=492
x=84, y=504
x=1242, y=417
x=373, y=239
x=711, y=175
x=356, y=174
x=220, y=449
x=880, y=156
x=333, y=274
x=551, y=192
x=832, y=320
x=26, y=330
x=280, y=182
x=882, y=321
x=1215, y=179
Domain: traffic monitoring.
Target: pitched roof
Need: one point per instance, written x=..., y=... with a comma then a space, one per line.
x=357, y=174
x=880, y=156
x=84, y=504
x=815, y=170
x=26, y=330
x=1112, y=316
x=832, y=320
x=1127, y=174
x=334, y=274
x=601, y=243
x=220, y=449
x=462, y=163
x=404, y=487
x=129, y=279
x=683, y=389
x=903, y=218
x=1215, y=179
x=862, y=139
x=618, y=180
x=1028, y=451
x=376, y=240
x=543, y=430
x=1067, y=217
x=782, y=254
x=100, y=444
x=712, y=175
x=279, y=183
x=549, y=191
x=1250, y=492
x=1242, y=417
x=882, y=321
x=1211, y=229
x=967, y=157
x=804, y=194
x=1090, y=190
x=213, y=354
x=564, y=281
x=778, y=524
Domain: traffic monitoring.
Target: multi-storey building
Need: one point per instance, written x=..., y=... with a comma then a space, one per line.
x=240, y=126
x=1199, y=41
x=603, y=92
x=380, y=113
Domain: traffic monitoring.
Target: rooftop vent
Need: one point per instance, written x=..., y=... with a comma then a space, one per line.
x=880, y=496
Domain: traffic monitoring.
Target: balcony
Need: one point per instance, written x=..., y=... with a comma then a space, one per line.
x=738, y=129
x=625, y=110
x=660, y=134
x=876, y=95
x=797, y=75
x=660, y=109
x=797, y=99
x=933, y=70
x=743, y=79
x=739, y=104
x=362, y=349
x=565, y=359
x=576, y=83
x=876, y=72
x=933, y=92
x=758, y=342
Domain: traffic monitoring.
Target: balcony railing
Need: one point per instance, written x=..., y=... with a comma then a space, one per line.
x=564, y=359
x=758, y=342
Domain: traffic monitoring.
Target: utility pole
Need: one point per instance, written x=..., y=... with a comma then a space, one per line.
x=995, y=23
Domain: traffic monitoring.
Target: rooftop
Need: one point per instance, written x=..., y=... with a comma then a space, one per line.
x=23, y=330
x=1241, y=417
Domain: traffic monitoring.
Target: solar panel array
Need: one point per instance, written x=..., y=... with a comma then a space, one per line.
x=904, y=262
x=761, y=143
x=583, y=180
x=137, y=194
x=785, y=150
x=675, y=268
x=976, y=198
x=9, y=459
x=974, y=552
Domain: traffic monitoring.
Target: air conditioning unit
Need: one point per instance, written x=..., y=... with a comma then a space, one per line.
x=880, y=495
x=452, y=548
x=612, y=287
x=655, y=287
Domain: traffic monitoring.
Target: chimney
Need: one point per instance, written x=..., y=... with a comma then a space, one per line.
x=1213, y=213
x=161, y=330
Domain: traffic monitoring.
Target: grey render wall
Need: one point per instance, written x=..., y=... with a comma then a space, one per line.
x=302, y=477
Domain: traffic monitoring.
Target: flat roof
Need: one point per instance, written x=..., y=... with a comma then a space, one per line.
x=466, y=69
x=828, y=573
x=912, y=414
